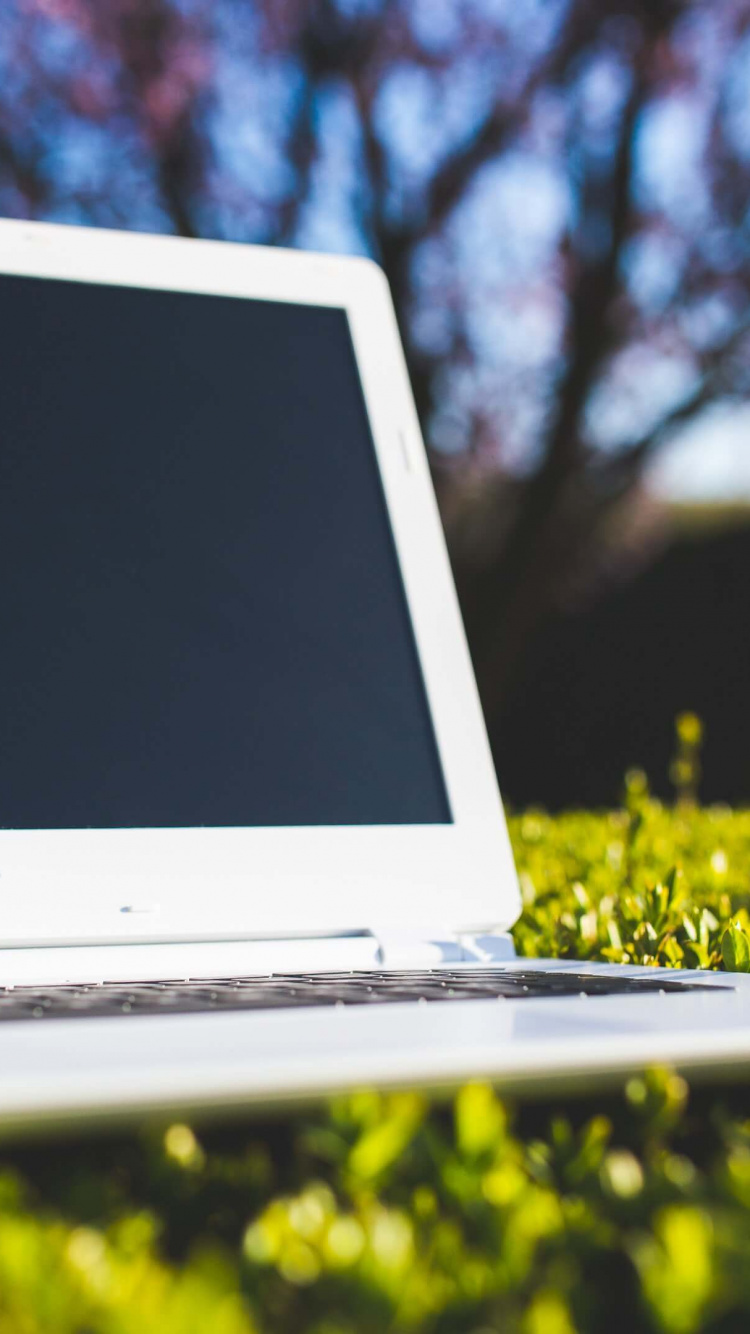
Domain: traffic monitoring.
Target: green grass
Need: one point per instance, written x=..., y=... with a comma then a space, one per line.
x=629, y=1211
x=647, y=885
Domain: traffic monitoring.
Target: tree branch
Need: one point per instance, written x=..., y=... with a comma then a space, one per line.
x=396, y=243
x=302, y=152
x=505, y=602
x=621, y=471
x=178, y=164
x=25, y=176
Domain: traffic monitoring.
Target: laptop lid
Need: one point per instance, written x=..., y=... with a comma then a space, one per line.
x=236, y=700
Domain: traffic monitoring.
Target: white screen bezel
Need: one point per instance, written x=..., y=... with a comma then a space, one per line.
x=71, y=886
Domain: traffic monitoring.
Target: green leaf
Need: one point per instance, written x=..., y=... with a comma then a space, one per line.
x=480, y=1119
x=735, y=950
x=670, y=880
x=383, y=1143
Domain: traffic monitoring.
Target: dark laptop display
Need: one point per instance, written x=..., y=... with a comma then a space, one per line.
x=202, y=617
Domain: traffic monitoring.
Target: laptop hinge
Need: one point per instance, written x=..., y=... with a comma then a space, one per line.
x=488, y=947
x=404, y=949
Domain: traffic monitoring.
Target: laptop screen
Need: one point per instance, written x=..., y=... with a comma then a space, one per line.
x=202, y=615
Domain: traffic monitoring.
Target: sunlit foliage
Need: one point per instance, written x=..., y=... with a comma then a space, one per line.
x=646, y=884
x=386, y=1212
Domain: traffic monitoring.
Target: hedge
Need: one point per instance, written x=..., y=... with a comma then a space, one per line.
x=388, y=1213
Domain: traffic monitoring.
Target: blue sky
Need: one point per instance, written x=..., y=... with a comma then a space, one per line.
x=710, y=460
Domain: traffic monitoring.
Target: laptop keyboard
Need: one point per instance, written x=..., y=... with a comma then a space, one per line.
x=285, y=991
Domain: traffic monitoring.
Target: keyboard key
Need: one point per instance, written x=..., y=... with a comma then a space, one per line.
x=304, y=990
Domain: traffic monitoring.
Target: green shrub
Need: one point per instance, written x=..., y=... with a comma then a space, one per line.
x=386, y=1213
x=648, y=884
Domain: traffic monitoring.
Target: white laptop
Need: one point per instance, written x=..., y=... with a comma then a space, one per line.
x=251, y=843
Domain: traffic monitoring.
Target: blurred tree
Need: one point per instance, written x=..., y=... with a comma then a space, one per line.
x=558, y=191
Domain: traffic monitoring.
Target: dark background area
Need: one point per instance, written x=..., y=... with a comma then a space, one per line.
x=559, y=193
x=602, y=685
